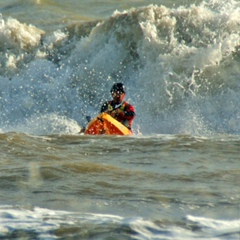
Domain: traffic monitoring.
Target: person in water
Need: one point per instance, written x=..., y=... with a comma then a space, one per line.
x=119, y=109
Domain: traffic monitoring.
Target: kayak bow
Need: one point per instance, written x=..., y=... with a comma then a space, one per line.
x=106, y=124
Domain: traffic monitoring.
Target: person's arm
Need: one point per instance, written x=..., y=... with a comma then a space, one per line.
x=104, y=107
x=128, y=113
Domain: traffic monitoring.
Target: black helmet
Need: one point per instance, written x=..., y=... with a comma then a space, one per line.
x=118, y=87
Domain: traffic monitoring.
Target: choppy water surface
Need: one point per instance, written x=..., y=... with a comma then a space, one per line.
x=158, y=187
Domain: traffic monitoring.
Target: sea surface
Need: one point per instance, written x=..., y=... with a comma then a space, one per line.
x=177, y=176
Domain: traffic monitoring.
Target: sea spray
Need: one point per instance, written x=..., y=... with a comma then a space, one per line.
x=180, y=66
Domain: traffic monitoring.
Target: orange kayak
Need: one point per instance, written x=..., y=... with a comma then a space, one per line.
x=106, y=124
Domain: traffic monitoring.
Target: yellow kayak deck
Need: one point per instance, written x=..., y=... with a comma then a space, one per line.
x=106, y=124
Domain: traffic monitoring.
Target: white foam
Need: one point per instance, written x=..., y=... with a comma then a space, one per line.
x=44, y=222
x=215, y=227
x=180, y=67
x=215, y=224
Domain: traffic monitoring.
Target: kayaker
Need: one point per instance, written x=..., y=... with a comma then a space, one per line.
x=119, y=109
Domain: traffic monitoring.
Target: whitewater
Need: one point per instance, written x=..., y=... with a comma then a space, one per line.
x=177, y=177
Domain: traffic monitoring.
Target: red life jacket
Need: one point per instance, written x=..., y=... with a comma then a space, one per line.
x=123, y=117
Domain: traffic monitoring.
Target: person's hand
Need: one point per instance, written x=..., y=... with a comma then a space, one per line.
x=117, y=112
x=110, y=109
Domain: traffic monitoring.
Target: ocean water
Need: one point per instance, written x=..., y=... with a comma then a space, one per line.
x=177, y=177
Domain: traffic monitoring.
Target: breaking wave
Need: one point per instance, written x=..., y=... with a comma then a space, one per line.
x=180, y=66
